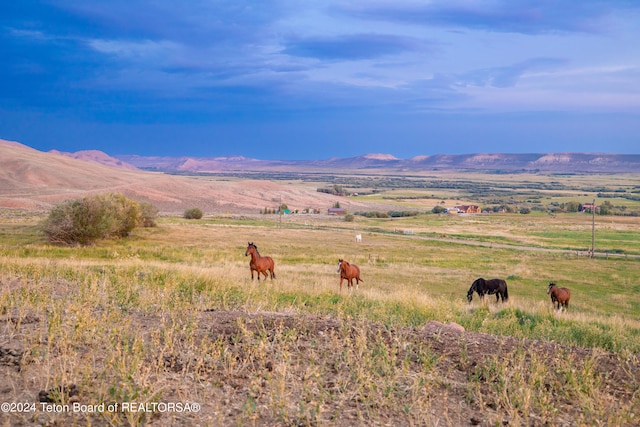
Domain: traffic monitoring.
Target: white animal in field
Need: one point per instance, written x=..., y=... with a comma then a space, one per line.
x=358, y=238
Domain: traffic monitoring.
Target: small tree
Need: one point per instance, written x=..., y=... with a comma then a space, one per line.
x=572, y=206
x=124, y=211
x=193, y=213
x=606, y=208
x=83, y=221
x=148, y=214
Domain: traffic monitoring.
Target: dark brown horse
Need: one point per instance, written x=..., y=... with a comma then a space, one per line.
x=260, y=264
x=559, y=296
x=349, y=272
x=490, y=287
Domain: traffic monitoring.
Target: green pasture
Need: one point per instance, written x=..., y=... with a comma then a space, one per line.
x=188, y=265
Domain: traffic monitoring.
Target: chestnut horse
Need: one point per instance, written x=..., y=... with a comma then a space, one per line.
x=559, y=296
x=349, y=272
x=260, y=264
x=490, y=287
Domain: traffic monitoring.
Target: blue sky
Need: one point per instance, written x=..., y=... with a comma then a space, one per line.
x=292, y=79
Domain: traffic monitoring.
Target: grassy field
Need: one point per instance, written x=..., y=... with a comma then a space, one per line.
x=120, y=321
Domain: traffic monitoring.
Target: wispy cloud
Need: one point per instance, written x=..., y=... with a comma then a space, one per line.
x=508, y=76
x=352, y=46
x=519, y=16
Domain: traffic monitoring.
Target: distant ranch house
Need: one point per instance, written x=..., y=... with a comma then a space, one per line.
x=468, y=209
x=588, y=207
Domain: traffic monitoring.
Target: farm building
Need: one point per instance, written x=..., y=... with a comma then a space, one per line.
x=588, y=207
x=469, y=209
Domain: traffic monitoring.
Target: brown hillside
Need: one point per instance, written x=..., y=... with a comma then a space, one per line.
x=32, y=179
x=97, y=156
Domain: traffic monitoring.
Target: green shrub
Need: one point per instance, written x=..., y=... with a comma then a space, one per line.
x=148, y=214
x=193, y=213
x=373, y=214
x=83, y=221
x=438, y=209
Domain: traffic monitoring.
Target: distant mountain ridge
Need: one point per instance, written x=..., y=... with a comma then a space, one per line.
x=508, y=162
x=489, y=162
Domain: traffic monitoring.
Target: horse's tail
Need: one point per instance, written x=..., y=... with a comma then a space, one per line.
x=506, y=293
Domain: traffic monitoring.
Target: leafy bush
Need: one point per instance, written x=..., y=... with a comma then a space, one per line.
x=373, y=214
x=400, y=214
x=336, y=190
x=83, y=221
x=148, y=214
x=193, y=213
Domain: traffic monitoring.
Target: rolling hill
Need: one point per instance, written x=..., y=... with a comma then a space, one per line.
x=32, y=179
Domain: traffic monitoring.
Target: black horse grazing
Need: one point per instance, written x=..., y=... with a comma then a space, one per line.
x=493, y=286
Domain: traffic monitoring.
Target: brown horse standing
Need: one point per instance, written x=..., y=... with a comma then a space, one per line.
x=349, y=272
x=559, y=296
x=260, y=264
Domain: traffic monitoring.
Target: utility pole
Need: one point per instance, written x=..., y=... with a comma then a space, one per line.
x=280, y=211
x=593, y=227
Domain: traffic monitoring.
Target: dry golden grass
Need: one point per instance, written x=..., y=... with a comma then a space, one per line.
x=170, y=315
